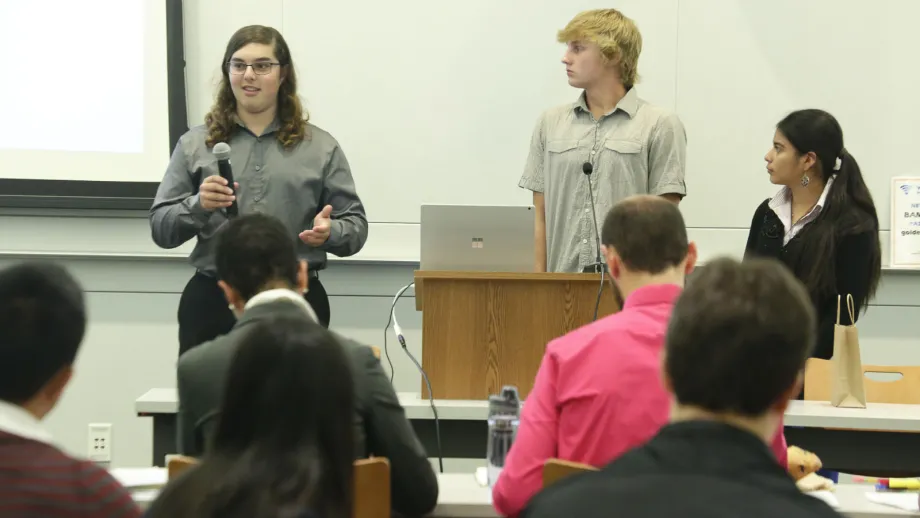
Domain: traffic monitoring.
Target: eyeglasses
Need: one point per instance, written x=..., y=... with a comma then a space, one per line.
x=261, y=67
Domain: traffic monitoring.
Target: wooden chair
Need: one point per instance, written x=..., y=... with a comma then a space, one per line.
x=372, y=488
x=376, y=351
x=371, y=484
x=905, y=390
x=177, y=464
x=555, y=470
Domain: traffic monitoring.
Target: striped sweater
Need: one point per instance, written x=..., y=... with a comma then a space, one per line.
x=39, y=480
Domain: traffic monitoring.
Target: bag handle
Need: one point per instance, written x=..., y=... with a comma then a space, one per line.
x=851, y=309
x=838, y=310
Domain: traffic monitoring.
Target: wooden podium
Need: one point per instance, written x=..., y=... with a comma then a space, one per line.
x=482, y=330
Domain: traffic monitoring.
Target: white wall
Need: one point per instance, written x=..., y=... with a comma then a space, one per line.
x=133, y=287
x=742, y=65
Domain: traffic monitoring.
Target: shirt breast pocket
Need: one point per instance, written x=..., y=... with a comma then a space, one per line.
x=562, y=156
x=627, y=163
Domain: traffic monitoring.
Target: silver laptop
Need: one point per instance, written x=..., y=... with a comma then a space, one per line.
x=477, y=238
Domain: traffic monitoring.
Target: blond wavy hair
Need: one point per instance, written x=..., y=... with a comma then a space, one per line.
x=617, y=36
x=222, y=119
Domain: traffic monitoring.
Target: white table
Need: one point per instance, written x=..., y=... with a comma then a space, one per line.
x=876, y=416
x=881, y=436
x=461, y=496
x=809, y=414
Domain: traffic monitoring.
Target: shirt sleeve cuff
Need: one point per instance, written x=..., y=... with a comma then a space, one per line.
x=199, y=214
x=336, y=231
x=531, y=184
x=670, y=188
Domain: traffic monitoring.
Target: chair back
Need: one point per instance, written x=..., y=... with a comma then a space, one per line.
x=371, y=484
x=177, y=464
x=904, y=390
x=555, y=470
x=372, y=488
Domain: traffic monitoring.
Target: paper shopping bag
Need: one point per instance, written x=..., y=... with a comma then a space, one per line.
x=848, y=389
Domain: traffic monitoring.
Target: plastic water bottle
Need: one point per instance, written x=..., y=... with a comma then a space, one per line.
x=504, y=418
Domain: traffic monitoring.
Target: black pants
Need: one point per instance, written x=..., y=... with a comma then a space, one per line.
x=204, y=313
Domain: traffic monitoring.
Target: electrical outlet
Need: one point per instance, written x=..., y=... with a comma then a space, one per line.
x=100, y=442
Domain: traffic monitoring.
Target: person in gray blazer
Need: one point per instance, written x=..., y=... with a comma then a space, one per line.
x=261, y=277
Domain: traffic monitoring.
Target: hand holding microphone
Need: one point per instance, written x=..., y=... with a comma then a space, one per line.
x=219, y=192
x=215, y=194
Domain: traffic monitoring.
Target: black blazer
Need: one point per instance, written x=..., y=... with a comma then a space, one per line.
x=852, y=269
x=381, y=426
x=691, y=469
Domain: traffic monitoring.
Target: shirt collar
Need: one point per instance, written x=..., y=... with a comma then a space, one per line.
x=629, y=103
x=784, y=198
x=715, y=447
x=271, y=128
x=17, y=421
x=653, y=294
x=281, y=294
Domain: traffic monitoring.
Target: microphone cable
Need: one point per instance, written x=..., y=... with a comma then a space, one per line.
x=386, y=349
x=402, y=341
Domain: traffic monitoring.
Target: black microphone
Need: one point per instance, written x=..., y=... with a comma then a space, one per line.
x=599, y=266
x=222, y=152
x=588, y=168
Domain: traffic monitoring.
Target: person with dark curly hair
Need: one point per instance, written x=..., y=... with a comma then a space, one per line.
x=284, y=166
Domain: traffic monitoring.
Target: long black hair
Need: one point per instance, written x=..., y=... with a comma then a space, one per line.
x=283, y=446
x=285, y=428
x=848, y=209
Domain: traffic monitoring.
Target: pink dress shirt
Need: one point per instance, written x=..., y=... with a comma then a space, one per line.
x=597, y=394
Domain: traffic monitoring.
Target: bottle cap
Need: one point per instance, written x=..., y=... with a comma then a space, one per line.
x=508, y=402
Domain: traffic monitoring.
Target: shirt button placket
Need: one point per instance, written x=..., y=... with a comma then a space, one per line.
x=259, y=176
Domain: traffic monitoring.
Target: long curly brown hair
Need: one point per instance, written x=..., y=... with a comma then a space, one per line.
x=221, y=120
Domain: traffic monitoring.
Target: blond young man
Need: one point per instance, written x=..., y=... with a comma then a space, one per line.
x=633, y=147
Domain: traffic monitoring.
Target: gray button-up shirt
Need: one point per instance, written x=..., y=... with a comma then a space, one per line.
x=292, y=185
x=637, y=148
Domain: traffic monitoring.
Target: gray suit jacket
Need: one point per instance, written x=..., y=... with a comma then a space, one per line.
x=381, y=427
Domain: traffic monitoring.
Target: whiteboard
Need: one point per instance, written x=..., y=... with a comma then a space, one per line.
x=435, y=102
x=742, y=65
x=70, y=117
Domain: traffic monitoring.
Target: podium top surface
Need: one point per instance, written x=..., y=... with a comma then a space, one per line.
x=504, y=276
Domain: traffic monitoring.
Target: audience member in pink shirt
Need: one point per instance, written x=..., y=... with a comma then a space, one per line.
x=598, y=392
x=736, y=346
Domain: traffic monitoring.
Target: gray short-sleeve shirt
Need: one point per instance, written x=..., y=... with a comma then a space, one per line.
x=637, y=148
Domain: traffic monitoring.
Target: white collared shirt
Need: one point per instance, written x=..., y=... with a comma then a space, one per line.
x=15, y=420
x=281, y=294
x=781, y=204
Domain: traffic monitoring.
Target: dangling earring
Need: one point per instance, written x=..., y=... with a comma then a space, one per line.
x=805, y=180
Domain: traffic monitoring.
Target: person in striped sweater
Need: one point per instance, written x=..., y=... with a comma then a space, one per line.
x=42, y=322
